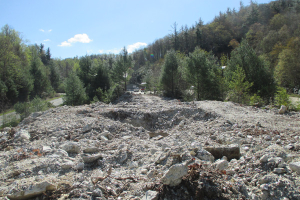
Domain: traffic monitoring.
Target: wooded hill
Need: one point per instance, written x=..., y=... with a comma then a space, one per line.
x=259, y=45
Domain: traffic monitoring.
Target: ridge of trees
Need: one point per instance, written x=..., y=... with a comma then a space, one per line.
x=260, y=41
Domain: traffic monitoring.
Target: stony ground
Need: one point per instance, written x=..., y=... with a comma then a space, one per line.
x=146, y=147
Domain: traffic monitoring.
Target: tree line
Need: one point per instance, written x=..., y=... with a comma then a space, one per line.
x=259, y=45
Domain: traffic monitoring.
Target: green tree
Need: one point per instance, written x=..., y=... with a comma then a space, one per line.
x=122, y=70
x=54, y=75
x=75, y=92
x=255, y=68
x=239, y=86
x=287, y=71
x=170, y=74
x=41, y=84
x=14, y=67
x=201, y=69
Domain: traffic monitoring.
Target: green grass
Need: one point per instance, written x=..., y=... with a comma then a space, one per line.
x=11, y=110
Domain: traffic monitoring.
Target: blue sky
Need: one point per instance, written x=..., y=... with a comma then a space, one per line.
x=75, y=28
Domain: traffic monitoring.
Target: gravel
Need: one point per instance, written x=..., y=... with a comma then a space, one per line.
x=148, y=147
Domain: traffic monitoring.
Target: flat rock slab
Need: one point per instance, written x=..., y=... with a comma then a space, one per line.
x=36, y=190
x=231, y=151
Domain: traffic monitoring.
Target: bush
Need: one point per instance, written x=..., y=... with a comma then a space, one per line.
x=256, y=100
x=282, y=98
x=26, y=108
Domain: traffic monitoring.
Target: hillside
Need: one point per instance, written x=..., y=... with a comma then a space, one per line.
x=148, y=147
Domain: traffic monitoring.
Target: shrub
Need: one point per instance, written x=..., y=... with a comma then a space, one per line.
x=256, y=100
x=282, y=98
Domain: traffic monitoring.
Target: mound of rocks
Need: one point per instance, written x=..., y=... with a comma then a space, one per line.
x=147, y=147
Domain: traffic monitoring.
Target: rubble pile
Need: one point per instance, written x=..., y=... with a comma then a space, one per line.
x=147, y=147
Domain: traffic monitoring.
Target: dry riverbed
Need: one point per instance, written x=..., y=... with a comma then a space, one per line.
x=146, y=147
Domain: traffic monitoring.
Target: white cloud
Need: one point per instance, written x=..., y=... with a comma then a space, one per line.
x=101, y=51
x=65, y=44
x=132, y=47
x=83, y=38
x=89, y=51
x=47, y=40
x=45, y=31
x=114, y=51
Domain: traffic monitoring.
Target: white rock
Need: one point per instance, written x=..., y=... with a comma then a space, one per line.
x=36, y=190
x=205, y=155
x=144, y=171
x=46, y=149
x=71, y=147
x=268, y=138
x=295, y=167
x=102, y=137
x=90, y=158
x=67, y=165
x=150, y=195
x=133, y=164
x=174, y=175
x=282, y=109
x=22, y=134
x=79, y=166
x=152, y=173
x=279, y=170
x=87, y=128
x=221, y=164
x=263, y=159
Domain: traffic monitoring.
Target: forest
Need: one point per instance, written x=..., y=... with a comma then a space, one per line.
x=249, y=56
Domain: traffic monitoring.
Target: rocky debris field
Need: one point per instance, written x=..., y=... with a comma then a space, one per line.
x=148, y=148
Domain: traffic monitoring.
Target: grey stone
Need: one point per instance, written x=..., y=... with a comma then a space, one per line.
x=71, y=147
x=87, y=128
x=295, y=167
x=282, y=109
x=22, y=134
x=36, y=190
x=174, y=175
x=231, y=151
x=97, y=193
x=150, y=195
x=263, y=159
x=87, y=158
x=279, y=170
x=221, y=164
x=202, y=154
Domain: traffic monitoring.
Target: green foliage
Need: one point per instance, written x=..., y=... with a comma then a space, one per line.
x=256, y=100
x=255, y=69
x=122, y=69
x=239, y=86
x=169, y=75
x=287, y=71
x=75, y=92
x=11, y=121
x=282, y=97
x=26, y=108
x=201, y=73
